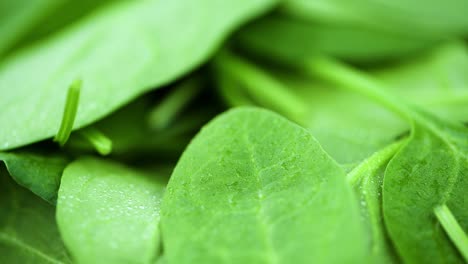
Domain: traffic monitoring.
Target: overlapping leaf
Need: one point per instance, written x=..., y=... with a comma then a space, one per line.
x=428, y=173
x=119, y=52
x=38, y=172
x=230, y=200
x=348, y=125
x=28, y=232
x=109, y=213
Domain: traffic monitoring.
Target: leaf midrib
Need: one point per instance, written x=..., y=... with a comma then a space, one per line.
x=272, y=255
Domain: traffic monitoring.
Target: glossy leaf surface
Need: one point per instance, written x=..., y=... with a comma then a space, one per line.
x=239, y=203
x=108, y=212
x=120, y=52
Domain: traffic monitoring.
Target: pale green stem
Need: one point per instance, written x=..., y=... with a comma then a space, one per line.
x=268, y=91
x=231, y=92
x=166, y=112
x=189, y=123
x=348, y=78
x=69, y=113
x=453, y=229
x=97, y=139
x=374, y=161
x=345, y=76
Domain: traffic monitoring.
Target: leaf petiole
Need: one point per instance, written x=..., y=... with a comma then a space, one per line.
x=69, y=113
x=376, y=160
x=453, y=229
x=163, y=114
x=264, y=89
x=231, y=94
x=95, y=137
x=339, y=73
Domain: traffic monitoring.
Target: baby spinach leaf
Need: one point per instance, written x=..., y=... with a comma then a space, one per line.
x=230, y=200
x=421, y=18
x=25, y=23
x=348, y=126
x=115, y=65
x=108, y=212
x=429, y=172
x=351, y=136
x=306, y=28
x=295, y=39
x=28, y=232
x=18, y=17
x=58, y=18
x=367, y=180
x=36, y=171
x=132, y=136
x=348, y=136
x=436, y=81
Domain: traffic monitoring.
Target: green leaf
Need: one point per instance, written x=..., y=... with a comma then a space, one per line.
x=156, y=42
x=431, y=170
x=366, y=31
x=367, y=180
x=417, y=18
x=436, y=81
x=36, y=171
x=428, y=172
x=348, y=126
x=59, y=16
x=130, y=134
x=28, y=232
x=253, y=187
x=17, y=18
x=348, y=136
x=25, y=23
x=108, y=212
x=296, y=39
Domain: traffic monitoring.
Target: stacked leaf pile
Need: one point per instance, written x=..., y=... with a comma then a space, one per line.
x=346, y=141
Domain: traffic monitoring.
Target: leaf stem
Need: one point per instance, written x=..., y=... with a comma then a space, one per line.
x=354, y=80
x=337, y=72
x=373, y=162
x=259, y=85
x=453, y=229
x=229, y=91
x=163, y=114
x=69, y=113
x=97, y=139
